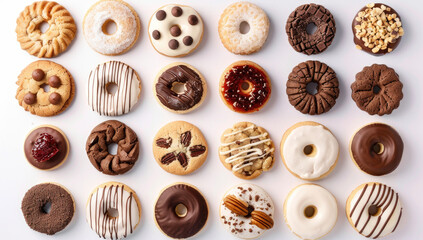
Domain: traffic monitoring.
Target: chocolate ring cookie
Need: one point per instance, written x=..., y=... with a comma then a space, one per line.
x=48, y=208
x=307, y=101
x=102, y=136
x=296, y=29
x=377, y=90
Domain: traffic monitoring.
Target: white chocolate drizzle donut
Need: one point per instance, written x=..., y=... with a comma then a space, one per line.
x=128, y=88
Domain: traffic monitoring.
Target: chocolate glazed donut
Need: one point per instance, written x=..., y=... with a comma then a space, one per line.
x=377, y=149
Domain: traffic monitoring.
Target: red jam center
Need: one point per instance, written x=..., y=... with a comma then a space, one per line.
x=45, y=147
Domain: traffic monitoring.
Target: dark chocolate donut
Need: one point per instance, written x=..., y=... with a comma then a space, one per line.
x=172, y=223
x=62, y=208
x=296, y=28
x=377, y=90
x=102, y=136
x=327, y=87
x=377, y=149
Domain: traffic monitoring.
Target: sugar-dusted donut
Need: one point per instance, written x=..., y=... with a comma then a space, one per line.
x=229, y=28
x=310, y=211
x=111, y=11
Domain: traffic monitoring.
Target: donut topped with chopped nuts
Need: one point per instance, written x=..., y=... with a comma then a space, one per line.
x=377, y=29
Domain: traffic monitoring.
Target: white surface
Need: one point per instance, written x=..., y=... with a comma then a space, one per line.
x=213, y=117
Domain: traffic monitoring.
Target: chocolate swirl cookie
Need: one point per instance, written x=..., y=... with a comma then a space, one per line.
x=102, y=136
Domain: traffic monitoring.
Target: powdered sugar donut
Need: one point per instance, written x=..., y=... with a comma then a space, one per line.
x=230, y=23
x=127, y=27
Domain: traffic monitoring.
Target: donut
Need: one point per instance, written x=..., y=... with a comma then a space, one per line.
x=376, y=149
x=246, y=211
x=180, y=88
x=46, y=147
x=101, y=99
x=245, y=87
x=310, y=211
x=181, y=211
x=113, y=210
x=106, y=12
x=105, y=134
x=377, y=29
x=246, y=150
x=302, y=40
x=48, y=208
x=374, y=210
x=309, y=150
x=60, y=33
x=180, y=148
x=233, y=37
x=175, y=30
x=377, y=90
x=45, y=88
x=302, y=77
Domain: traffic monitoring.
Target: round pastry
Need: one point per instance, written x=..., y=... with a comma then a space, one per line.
x=310, y=211
x=301, y=81
x=181, y=211
x=304, y=41
x=180, y=88
x=376, y=149
x=113, y=210
x=101, y=81
x=175, y=30
x=246, y=211
x=48, y=208
x=105, y=134
x=246, y=150
x=377, y=90
x=374, y=210
x=309, y=150
x=45, y=88
x=245, y=87
x=243, y=41
x=377, y=29
x=46, y=147
x=106, y=12
x=60, y=33
x=180, y=148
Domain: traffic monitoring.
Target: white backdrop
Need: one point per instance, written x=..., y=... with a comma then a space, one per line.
x=213, y=117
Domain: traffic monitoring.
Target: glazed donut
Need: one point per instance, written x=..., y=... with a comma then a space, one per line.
x=296, y=29
x=181, y=211
x=55, y=39
x=376, y=149
x=230, y=23
x=113, y=210
x=42, y=218
x=327, y=87
x=111, y=11
x=310, y=211
x=128, y=92
x=245, y=87
x=374, y=210
x=246, y=211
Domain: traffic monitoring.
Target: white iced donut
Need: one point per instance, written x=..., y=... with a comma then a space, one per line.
x=374, y=210
x=310, y=211
x=175, y=30
x=309, y=150
x=128, y=86
x=127, y=27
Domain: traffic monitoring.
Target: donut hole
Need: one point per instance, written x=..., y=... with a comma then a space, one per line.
x=181, y=210
x=112, y=213
x=244, y=27
x=245, y=86
x=43, y=26
x=112, y=88
x=376, y=89
x=309, y=150
x=310, y=211
x=311, y=28
x=109, y=27
x=112, y=148
x=311, y=88
x=178, y=88
x=374, y=210
x=45, y=87
x=46, y=208
x=378, y=148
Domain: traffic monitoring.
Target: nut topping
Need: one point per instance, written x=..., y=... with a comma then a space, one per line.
x=236, y=205
x=261, y=220
x=186, y=138
x=164, y=143
x=197, y=150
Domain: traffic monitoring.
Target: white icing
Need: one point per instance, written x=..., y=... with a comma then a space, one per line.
x=162, y=44
x=128, y=88
x=248, y=193
x=126, y=27
x=310, y=167
x=324, y=219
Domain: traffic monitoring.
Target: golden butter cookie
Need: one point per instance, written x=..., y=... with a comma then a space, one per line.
x=37, y=77
x=180, y=148
x=56, y=39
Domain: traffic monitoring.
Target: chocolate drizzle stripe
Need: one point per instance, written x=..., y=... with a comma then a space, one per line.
x=359, y=199
x=367, y=201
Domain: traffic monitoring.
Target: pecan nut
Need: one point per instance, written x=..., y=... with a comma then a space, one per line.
x=164, y=143
x=236, y=205
x=261, y=220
